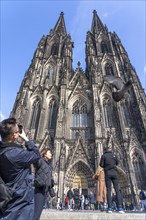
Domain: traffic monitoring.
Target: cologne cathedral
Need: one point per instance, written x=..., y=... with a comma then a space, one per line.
x=72, y=111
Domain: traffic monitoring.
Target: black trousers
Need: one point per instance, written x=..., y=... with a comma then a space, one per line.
x=109, y=179
x=39, y=201
x=76, y=203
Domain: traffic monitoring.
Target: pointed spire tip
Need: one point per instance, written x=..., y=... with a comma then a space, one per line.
x=62, y=13
x=79, y=64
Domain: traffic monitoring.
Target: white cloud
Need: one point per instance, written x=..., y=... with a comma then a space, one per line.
x=1, y=116
x=105, y=14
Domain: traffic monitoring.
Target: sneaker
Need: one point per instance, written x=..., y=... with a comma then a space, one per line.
x=109, y=210
x=120, y=210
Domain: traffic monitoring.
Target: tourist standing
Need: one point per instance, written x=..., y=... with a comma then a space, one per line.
x=70, y=196
x=109, y=162
x=99, y=177
x=43, y=181
x=92, y=201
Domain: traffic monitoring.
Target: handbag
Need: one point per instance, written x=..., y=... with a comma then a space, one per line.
x=51, y=189
x=52, y=192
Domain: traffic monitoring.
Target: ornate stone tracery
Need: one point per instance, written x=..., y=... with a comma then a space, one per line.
x=73, y=110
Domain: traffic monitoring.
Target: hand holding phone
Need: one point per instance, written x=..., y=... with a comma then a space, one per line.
x=22, y=133
x=20, y=128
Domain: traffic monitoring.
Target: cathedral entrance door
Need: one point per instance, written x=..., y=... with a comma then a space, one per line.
x=80, y=182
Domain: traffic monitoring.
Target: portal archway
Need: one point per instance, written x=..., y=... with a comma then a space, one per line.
x=124, y=185
x=79, y=176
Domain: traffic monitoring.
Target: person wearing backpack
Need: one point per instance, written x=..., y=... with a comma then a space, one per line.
x=15, y=171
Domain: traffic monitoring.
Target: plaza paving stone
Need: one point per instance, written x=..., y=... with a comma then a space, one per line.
x=52, y=214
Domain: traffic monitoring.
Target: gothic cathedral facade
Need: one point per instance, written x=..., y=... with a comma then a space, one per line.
x=73, y=112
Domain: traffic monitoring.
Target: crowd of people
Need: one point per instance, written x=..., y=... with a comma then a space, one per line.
x=90, y=202
x=76, y=201
x=17, y=156
x=105, y=176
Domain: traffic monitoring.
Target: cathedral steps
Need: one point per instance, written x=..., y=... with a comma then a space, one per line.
x=89, y=215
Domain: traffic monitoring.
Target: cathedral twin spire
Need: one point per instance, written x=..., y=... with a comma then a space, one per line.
x=60, y=27
x=97, y=25
x=56, y=103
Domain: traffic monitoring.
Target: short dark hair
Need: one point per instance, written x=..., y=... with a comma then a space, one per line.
x=6, y=127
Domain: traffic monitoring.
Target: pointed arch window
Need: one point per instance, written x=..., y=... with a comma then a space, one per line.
x=139, y=169
x=105, y=47
x=109, y=69
x=79, y=114
x=54, y=50
x=35, y=114
x=107, y=109
x=126, y=115
x=51, y=74
x=65, y=51
x=52, y=114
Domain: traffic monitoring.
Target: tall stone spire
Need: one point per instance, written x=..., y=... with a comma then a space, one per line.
x=75, y=114
x=97, y=25
x=60, y=25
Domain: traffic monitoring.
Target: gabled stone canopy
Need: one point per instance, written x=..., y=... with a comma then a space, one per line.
x=74, y=114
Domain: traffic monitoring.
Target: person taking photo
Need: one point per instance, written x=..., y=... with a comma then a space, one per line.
x=15, y=170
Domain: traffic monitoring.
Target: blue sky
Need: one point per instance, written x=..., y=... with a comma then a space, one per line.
x=24, y=22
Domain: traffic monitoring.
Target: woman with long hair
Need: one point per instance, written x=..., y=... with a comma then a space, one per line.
x=43, y=181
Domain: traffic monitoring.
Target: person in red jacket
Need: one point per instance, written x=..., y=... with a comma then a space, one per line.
x=66, y=202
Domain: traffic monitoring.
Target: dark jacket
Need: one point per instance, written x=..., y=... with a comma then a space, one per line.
x=142, y=195
x=42, y=182
x=43, y=173
x=15, y=167
x=109, y=162
x=70, y=194
x=76, y=194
